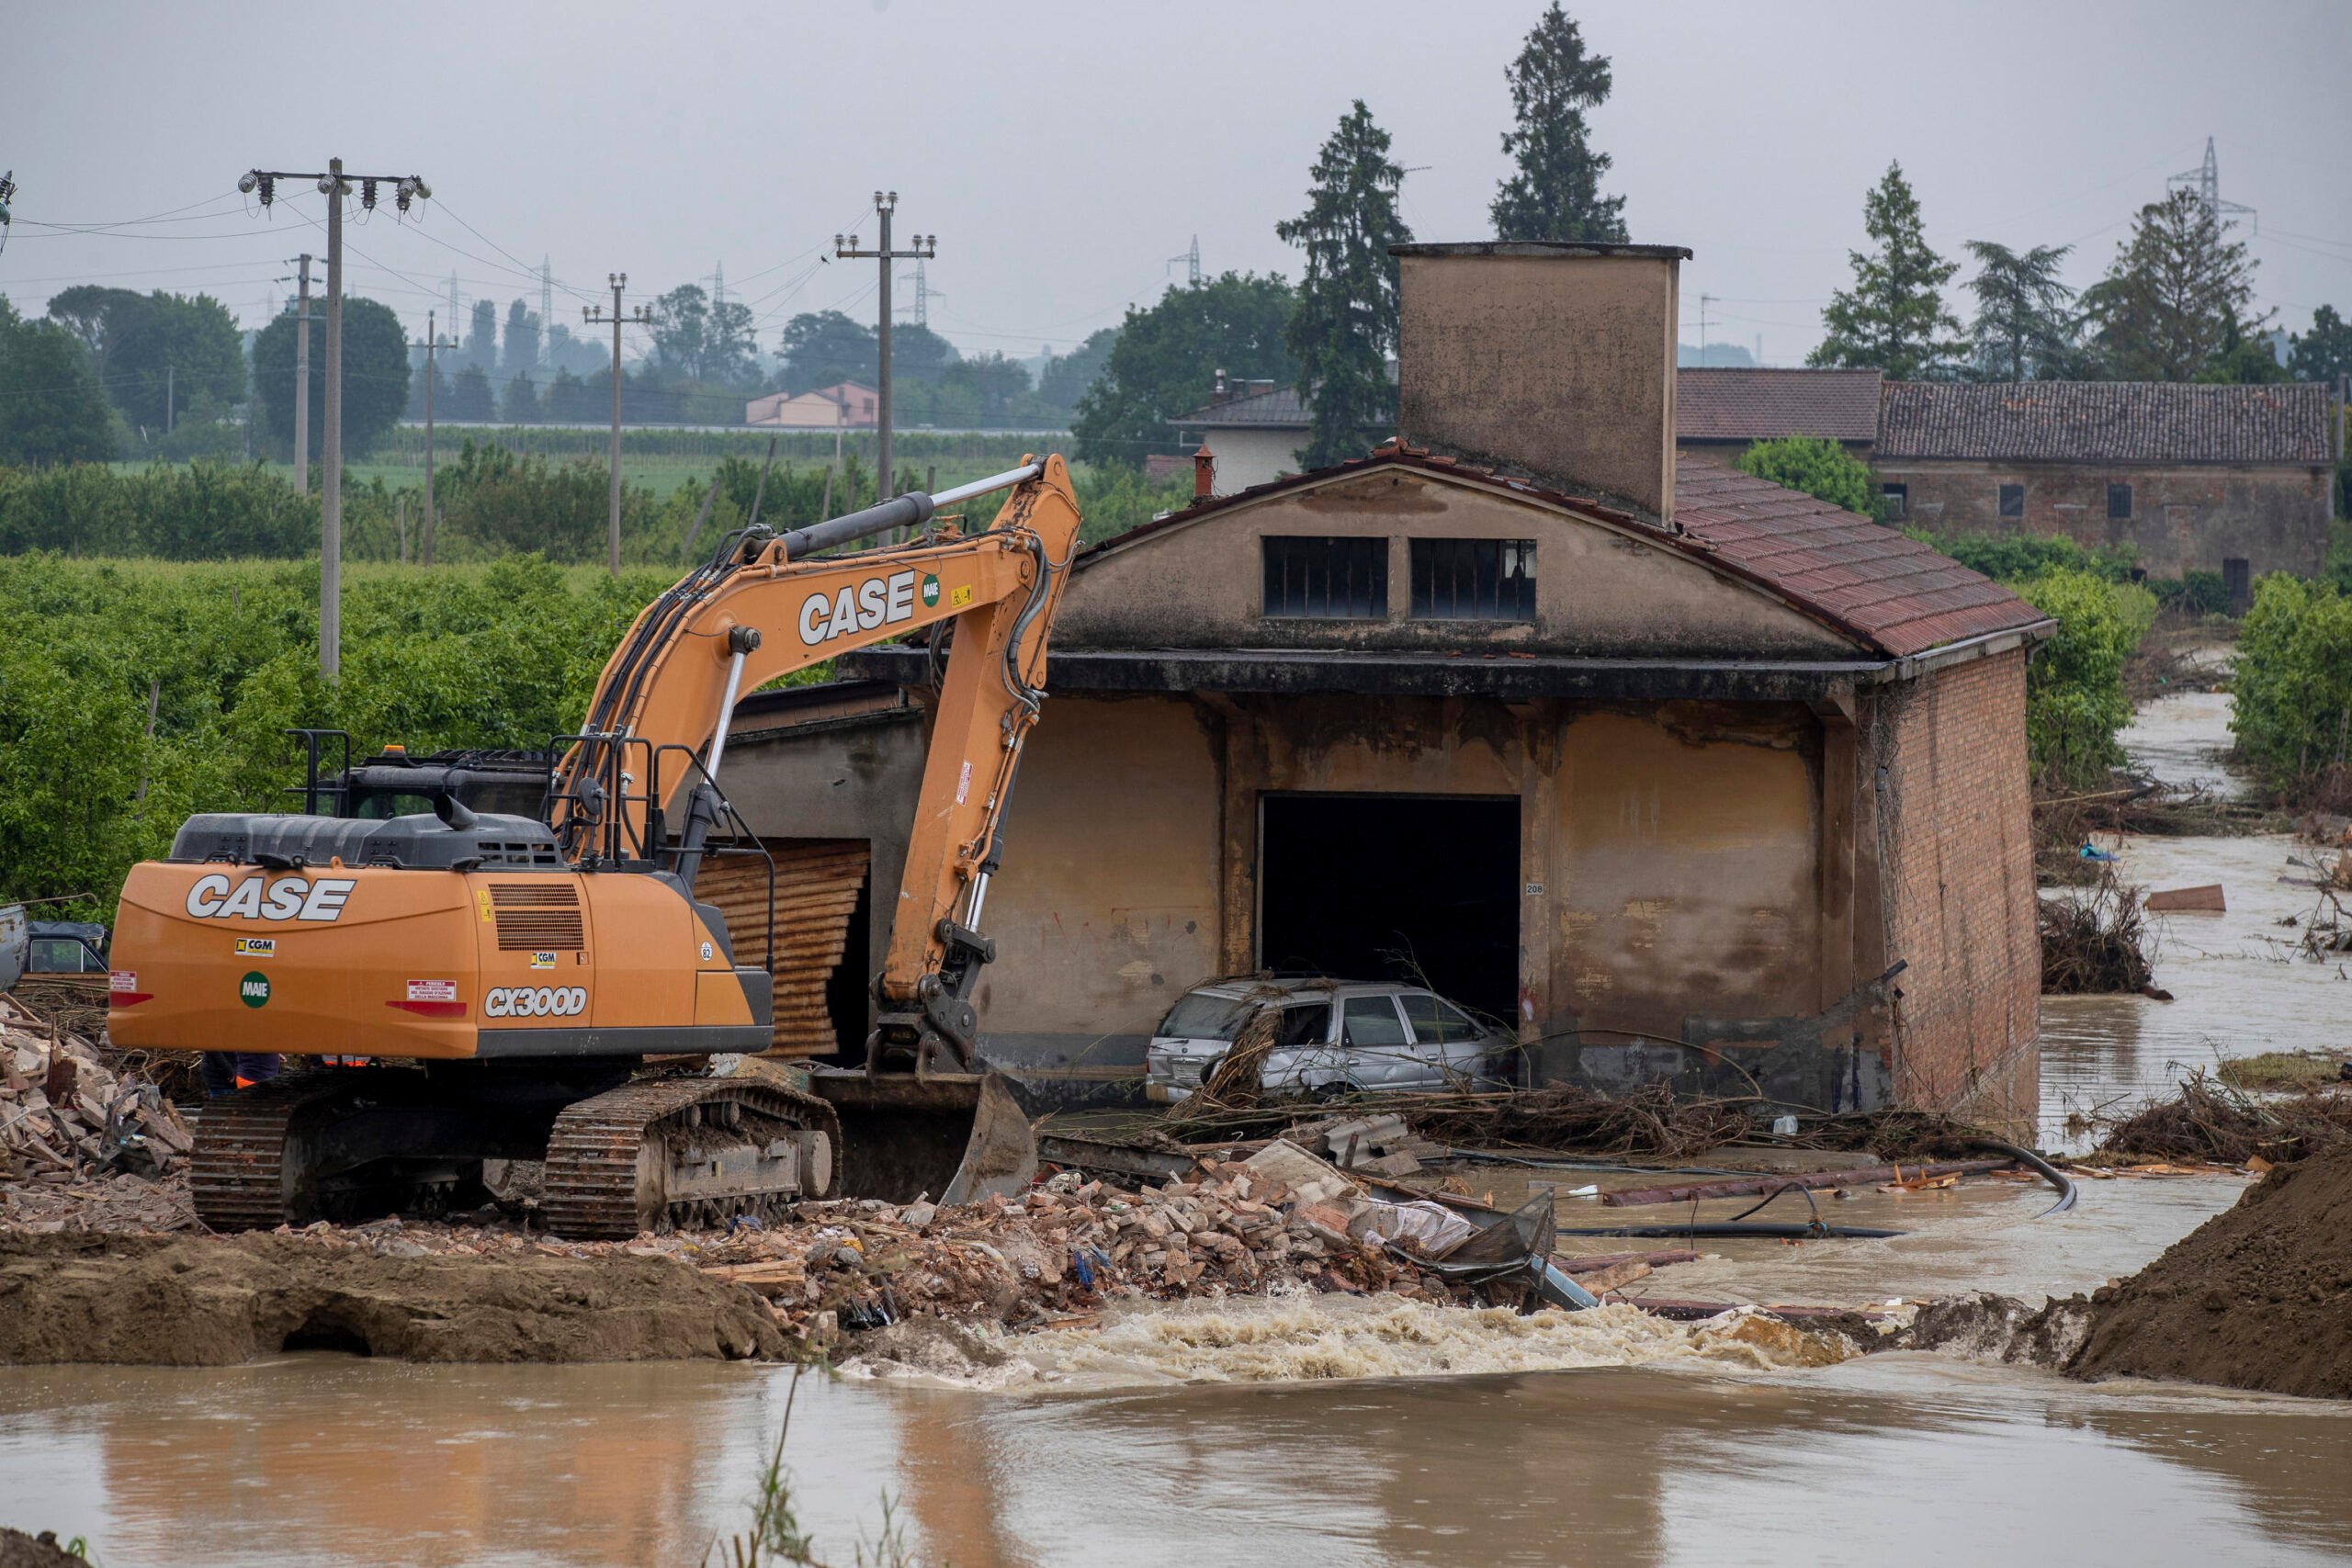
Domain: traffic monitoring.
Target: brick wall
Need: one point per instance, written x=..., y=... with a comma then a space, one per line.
x=2189, y=518
x=1954, y=826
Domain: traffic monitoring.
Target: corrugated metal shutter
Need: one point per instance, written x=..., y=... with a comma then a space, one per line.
x=817, y=882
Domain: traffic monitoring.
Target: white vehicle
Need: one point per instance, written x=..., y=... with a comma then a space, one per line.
x=1331, y=1037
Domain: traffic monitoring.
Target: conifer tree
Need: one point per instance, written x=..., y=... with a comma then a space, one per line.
x=1345, y=324
x=1555, y=193
x=1894, y=318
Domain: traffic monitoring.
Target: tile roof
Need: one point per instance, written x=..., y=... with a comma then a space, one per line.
x=1865, y=579
x=1862, y=579
x=1723, y=404
x=1281, y=408
x=2113, y=422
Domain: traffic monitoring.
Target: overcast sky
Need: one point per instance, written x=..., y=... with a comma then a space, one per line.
x=1064, y=150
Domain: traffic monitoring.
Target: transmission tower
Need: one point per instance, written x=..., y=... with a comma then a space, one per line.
x=1192, y=260
x=547, y=310
x=2206, y=181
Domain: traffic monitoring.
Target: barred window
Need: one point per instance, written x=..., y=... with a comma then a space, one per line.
x=2013, y=500
x=1326, y=580
x=2118, y=502
x=1474, y=579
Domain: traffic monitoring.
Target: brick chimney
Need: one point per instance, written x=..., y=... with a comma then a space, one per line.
x=1551, y=360
x=1203, y=473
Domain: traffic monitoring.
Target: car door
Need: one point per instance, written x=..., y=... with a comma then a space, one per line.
x=1377, y=1044
x=1447, y=1045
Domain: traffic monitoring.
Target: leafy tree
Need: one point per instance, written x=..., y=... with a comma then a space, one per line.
x=2175, y=290
x=2293, y=689
x=995, y=385
x=1894, y=318
x=822, y=347
x=2025, y=321
x=2325, y=353
x=375, y=376
x=1821, y=468
x=567, y=400
x=1163, y=361
x=164, y=344
x=519, y=404
x=470, y=398
x=1555, y=193
x=1067, y=376
x=702, y=341
x=919, y=353
x=481, y=337
x=2074, y=699
x=416, y=387
x=1345, y=325
x=2245, y=359
x=88, y=311
x=522, y=339
x=52, y=408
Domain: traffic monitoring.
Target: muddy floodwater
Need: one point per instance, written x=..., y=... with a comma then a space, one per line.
x=1900, y=1460
x=2239, y=984
x=1326, y=1431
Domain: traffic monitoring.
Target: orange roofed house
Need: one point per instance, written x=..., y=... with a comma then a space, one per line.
x=1690, y=777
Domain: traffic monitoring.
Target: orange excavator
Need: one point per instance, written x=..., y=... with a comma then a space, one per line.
x=505, y=974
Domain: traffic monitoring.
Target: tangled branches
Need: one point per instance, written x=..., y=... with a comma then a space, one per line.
x=2094, y=941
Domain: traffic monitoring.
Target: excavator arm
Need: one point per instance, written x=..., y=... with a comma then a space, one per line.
x=767, y=606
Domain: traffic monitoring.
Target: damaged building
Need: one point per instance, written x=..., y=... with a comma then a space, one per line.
x=1690, y=777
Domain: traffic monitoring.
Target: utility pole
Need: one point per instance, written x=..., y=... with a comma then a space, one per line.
x=594, y=316
x=432, y=504
x=546, y=312
x=1704, y=300
x=925, y=247
x=169, y=372
x=302, y=381
x=334, y=185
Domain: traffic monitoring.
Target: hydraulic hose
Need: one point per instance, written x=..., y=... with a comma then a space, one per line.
x=1779, y=1228
x=2042, y=1167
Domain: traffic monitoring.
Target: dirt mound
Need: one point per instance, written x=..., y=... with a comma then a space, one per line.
x=201, y=1301
x=2260, y=1297
x=18, y=1550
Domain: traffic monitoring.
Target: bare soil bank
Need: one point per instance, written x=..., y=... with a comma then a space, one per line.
x=202, y=1302
x=2260, y=1297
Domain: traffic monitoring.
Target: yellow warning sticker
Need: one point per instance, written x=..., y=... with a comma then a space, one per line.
x=959, y=597
x=482, y=900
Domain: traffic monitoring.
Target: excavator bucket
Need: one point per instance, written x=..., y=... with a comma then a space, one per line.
x=956, y=1137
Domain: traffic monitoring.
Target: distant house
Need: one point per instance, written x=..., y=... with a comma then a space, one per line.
x=1256, y=428
x=1720, y=413
x=2233, y=480
x=848, y=405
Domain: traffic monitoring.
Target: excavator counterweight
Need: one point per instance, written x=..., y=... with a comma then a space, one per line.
x=507, y=975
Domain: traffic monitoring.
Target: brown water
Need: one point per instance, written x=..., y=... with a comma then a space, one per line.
x=1324, y=1430
x=2239, y=985
x=1905, y=1460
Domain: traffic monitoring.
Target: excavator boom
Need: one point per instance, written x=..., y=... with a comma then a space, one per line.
x=531, y=963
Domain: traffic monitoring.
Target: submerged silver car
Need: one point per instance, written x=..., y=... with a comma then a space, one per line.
x=1330, y=1037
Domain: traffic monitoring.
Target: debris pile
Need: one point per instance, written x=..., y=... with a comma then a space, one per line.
x=1649, y=1121
x=68, y=1119
x=2207, y=1121
x=2095, y=942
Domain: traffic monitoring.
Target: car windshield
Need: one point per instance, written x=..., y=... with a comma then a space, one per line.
x=1204, y=1017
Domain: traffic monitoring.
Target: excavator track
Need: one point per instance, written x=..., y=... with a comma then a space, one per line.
x=645, y=1156
x=237, y=1171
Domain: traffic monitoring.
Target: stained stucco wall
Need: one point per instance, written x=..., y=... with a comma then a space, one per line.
x=2189, y=518
x=1601, y=590
x=1562, y=364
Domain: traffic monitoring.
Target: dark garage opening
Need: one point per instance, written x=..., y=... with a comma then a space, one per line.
x=1394, y=887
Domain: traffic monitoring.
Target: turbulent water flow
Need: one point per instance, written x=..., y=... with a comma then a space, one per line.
x=2239, y=984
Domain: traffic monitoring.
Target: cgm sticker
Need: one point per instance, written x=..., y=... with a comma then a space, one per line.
x=254, y=989
x=543, y=1001
x=257, y=947
x=543, y=961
